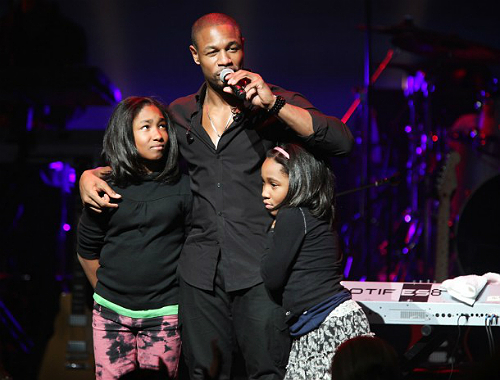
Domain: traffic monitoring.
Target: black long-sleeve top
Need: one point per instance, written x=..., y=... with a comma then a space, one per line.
x=138, y=244
x=302, y=263
x=228, y=215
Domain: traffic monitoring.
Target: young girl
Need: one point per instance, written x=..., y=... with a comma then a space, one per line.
x=301, y=266
x=130, y=253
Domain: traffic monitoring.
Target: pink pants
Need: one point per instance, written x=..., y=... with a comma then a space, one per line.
x=121, y=344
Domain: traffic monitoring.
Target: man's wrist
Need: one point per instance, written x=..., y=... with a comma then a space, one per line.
x=100, y=171
x=271, y=105
x=277, y=105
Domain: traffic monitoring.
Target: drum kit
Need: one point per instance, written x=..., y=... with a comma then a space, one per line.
x=452, y=160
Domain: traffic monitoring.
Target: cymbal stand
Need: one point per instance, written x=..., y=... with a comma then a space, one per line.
x=363, y=216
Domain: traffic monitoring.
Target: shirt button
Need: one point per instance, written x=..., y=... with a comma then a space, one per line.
x=219, y=184
x=288, y=313
x=219, y=213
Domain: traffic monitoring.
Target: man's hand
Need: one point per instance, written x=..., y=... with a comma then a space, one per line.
x=258, y=92
x=95, y=192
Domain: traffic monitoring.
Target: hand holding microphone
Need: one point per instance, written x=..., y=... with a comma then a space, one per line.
x=249, y=86
x=238, y=90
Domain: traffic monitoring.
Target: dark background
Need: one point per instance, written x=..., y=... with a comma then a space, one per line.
x=312, y=47
x=141, y=48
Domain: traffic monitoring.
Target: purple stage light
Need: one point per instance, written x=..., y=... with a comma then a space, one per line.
x=411, y=232
x=410, y=82
x=425, y=89
x=66, y=227
x=29, y=119
x=57, y=165
x=417, y=83
x=348, y=265
x=117, y=94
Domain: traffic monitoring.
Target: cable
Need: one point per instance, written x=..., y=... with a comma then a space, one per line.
x=455, y=348
x=489, y=332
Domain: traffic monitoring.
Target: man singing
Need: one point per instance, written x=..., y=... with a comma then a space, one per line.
x=224, y=138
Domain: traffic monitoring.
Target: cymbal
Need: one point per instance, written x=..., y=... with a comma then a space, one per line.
x=411, y=68
x=409, y=37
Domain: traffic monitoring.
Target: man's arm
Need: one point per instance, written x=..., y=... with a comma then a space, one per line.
x=331, y=136
x=94, y=191
x=318, y=130
x=296, y=118
x=90, y=268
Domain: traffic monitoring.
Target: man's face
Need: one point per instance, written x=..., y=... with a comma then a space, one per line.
x=219, y=47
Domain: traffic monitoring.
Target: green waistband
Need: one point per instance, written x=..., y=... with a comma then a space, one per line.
x=161, y=312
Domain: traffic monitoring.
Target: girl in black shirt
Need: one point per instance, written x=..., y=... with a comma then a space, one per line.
x=301, y=266
x=129, y=253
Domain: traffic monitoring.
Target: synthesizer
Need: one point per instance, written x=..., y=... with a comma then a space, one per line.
x=423, y=304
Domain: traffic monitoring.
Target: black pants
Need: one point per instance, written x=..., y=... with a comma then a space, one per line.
x=213, y=322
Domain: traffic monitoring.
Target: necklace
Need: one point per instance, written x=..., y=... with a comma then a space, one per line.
x=228, y=122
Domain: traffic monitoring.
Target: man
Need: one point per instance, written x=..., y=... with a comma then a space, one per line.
x=223, y=302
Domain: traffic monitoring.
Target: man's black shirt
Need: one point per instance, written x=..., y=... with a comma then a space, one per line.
x=228, y=214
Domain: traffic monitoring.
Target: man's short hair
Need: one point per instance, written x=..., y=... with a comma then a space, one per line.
x=212, y=19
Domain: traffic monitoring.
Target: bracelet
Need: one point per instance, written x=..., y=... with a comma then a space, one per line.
x=278, y=105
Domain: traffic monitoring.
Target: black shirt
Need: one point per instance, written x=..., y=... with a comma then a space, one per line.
x=228, y=213
x=138, y=244
x=302, y=262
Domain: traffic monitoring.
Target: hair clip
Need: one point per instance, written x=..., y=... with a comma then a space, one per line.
x=282, y=151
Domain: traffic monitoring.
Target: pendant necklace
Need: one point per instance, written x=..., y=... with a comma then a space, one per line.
x=215, y=129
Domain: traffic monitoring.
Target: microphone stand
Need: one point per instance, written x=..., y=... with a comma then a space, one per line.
x=392, y=180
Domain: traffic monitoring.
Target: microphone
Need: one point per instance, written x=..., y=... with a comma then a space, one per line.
x=238, y=90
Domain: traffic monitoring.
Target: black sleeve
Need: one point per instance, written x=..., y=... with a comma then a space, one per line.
x=91, y=233
x=331, y=136
x=278, y=259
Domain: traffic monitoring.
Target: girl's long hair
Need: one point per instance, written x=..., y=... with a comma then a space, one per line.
x=119, y=149
x=311, y=183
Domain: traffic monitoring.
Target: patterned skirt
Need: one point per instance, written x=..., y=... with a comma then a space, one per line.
x=311, y=355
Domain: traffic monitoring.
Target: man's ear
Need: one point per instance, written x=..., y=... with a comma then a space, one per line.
x=194, y=53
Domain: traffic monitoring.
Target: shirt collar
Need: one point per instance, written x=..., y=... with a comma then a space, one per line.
x=200, y=95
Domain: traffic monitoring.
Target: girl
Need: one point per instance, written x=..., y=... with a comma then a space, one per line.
x=301, y=266
x=130, y=253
